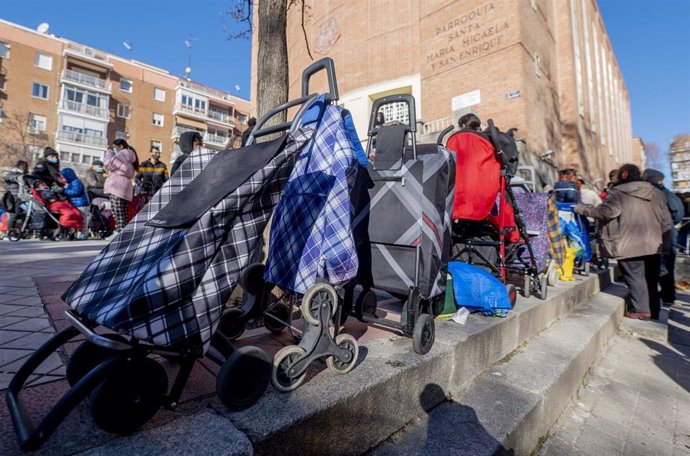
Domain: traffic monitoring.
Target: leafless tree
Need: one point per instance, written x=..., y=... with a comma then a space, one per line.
x=655, y=158
x=272, y=55
x=17, y=140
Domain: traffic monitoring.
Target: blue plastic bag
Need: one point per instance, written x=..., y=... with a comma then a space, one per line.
x=478, y=290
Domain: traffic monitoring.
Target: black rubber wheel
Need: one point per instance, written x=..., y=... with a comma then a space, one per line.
x=349, y=343
x=86, y=357
x=283, y=361
x=231, y=324
x=424, y=334
x=279, y=311
x=527, y=286
x=512, y=294
x=321, y=296
x=243, y=378
x=14, y=235
x=543, y=283
x=252, y=278
x=130, y=396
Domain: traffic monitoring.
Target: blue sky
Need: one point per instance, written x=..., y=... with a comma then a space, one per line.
x=651, y=40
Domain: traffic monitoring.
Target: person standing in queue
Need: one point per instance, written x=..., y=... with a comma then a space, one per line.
x=121, y=163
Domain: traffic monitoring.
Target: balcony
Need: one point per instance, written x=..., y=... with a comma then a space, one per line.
x=81, y=138
x=86, y=80
x=87, y=54
x=177, y=131
x=89, y=110
x=213, y=116
x=216, y=140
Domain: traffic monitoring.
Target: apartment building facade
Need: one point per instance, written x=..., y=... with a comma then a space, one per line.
x=59, y=93
x=545, y=67
x=680, y=163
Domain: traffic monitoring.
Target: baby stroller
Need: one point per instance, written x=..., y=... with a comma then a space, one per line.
x=311, y=250
x=488, y=229
x=158, y=289
x=31, y=217
x=402, y=226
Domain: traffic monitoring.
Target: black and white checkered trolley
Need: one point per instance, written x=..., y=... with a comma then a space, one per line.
x=402, y=224
x=157, y=291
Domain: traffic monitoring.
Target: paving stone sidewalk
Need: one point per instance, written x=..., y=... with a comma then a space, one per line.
x=636, y=400
x=24, y=323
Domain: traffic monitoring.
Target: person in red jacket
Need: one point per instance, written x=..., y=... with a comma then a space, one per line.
x=612, y=181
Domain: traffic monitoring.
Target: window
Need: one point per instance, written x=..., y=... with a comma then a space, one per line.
x=64, y=156
x=2, y=81
x=2, y=114
x=125, y=85
x=4, y=50
x=37, y=123
x=158, y=119
x=39, y=91
x=43, y=61
x=121, y=135
x=200, y=105
x=187, y=101
x=158, y=94
x=157, y=144
x=86, y=159
x=74, y=158
x=124, y=111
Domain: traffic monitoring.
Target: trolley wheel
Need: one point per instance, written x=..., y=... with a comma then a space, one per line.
x=231, y=325
x=279, y=311
x=552, y=273
x=527, y=286
x=243, y=378
x=252, y=278
x=349, y=343
x=282, y=363
x=318, y=297
x=512, y=294
x=424, y=334
x=130, y=396
x=542, y=284
x=14, y=235
x=86, y=357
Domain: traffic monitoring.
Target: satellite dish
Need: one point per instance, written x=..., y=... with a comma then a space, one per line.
x=43, y=27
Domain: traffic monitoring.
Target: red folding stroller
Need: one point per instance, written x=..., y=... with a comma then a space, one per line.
x=487, y=228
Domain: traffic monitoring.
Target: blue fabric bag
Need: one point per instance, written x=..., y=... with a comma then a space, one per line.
x=478, y=290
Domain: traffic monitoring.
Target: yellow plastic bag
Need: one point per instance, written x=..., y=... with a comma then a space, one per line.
x=566, y=274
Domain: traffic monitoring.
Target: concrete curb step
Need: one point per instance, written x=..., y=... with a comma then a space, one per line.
x=350, y=414
x=509, y=409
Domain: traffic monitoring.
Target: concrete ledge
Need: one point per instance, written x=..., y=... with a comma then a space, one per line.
x=511, y=407
x=393, y=386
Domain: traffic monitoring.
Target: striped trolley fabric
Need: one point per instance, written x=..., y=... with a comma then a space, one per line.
x=403, y=223
x=168, y=286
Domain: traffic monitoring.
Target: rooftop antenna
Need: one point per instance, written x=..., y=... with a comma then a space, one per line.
x=43, y=27
x=188, y=43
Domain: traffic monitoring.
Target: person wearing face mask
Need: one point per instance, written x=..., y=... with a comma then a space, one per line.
x=121, y=163
x=95, y=180
x=48, y=170
x=153, y=173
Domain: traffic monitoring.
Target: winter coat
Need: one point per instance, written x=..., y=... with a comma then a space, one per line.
x=74, y=190
x=634, y=220
x=49, y=173
x=567, y=192
x=675, y=207
x=12, y=182
x=153, y=174
x=120, y=167
x=95, y=182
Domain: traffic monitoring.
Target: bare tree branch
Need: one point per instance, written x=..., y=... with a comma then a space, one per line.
x=240, y=14
x=16, y=140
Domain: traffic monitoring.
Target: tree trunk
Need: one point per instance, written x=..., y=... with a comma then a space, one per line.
x=272, y=61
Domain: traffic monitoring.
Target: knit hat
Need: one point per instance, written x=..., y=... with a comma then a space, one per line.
x=49, y=151
x=98, y=162
x=652, y=176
